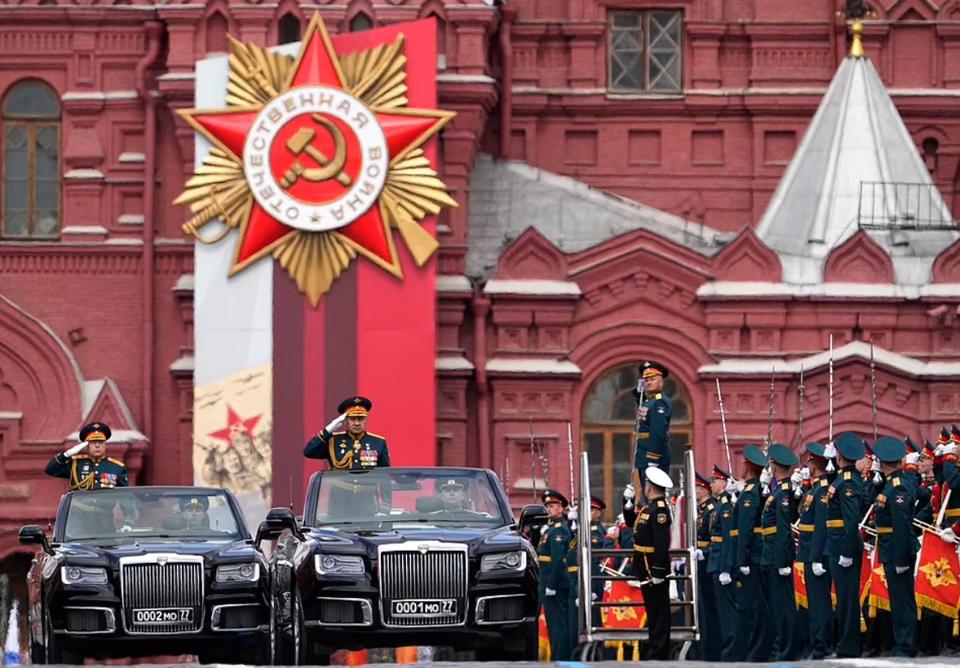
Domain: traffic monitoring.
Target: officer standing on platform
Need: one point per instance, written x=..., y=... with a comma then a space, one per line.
x=554, y=576
x=353, y=449
x=599, y=540
x=844, y=546
x=779, y=551
x=721, y=563
x=651, y=561
x=813, y=538
x=93, y=470
x=897, y=544
x=706, y=598
x=754, y=611
x=653, y=423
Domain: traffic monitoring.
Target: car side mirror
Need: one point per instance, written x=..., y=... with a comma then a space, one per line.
x=277, y=521
x=33, y=534
x=532, y=515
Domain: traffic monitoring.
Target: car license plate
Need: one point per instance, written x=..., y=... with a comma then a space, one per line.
x=163, y=616
x=445, y=607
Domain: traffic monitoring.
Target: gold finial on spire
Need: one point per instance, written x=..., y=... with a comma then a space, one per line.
x=856, y=49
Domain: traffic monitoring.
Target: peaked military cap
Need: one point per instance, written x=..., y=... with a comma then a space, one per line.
x=868, y=449
x=781, y=454
x=720, y=474
x=890, y=449
x=95, y=431
x=449, y=483
x=928, y=450
x=597, y=502
x=187, y=501
x=755, y=456
x=552, y=496
x=954, y=434
x=659, y=478
x=651, y=368
x=911, y=446
x=944, y=436
x=816, y=450
x=703, y=481
x=355, y=406
x=850, y=446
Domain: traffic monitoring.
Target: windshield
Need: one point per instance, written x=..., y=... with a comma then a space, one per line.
x=150, y=513
x=460, y=497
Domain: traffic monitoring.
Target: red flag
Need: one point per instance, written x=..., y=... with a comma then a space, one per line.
x=938, y=587
x=623, y=617
x=865, y=572
x=544, y=638
x=879, y=594
x=800, y=585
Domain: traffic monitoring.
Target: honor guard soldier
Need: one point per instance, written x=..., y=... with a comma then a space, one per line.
x=599, y=540
x=93, y=470
x=923, y=510
x=707, y=601
x=779, y=550
x=813, y=539
x=651, y=560
x=721, y=563
x=897, y=545
x=844, y=547
x=554, y=576
x=353, y=449
x=653, y=421
x=755, y=618
x=951, y=475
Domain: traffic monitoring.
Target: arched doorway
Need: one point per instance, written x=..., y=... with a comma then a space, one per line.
x=608, y=425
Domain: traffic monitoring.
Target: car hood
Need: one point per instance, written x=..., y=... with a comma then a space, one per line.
x=109, y=554
x=478, y=540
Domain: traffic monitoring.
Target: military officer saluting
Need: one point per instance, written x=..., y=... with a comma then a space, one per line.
x=353, y=449
x=844, y=546
x=897, y=544
x=554, y=576
x=709, y=622
x=92, y=470
x=651, y=561
x=653, y=421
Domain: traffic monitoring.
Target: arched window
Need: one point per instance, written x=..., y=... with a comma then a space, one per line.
x=608, y=426
x=360, y=23
x=931, y=148
x=288, y=29
x=31, y=162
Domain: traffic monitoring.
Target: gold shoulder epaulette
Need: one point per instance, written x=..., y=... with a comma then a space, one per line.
x=749, y=487
x=846, y=475
x=661, y=503
x=824, y=482
x=382, y=438
x=896, y=482
x=81, y=457
x=558, y=524
x=339, y=433
x=709, y=506
x=659, y=396
x=116, y=461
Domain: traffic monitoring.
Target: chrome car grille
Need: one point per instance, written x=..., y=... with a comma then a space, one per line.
x=422, y=574
x=158, y=585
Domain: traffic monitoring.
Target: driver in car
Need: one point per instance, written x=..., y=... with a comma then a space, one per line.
x=194, y=512
x=453, y=496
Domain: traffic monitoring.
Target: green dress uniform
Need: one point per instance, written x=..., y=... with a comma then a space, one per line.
x=555, y=580
x=723, y=545
x=709, y=645
x=756, y=637
x=86, y=472
x=845, y=545
x=651, y=566
x=344, y=451
x=898, y=546
x=813, y=539
x=653, y=429
x=779, y=552
x=951, y=480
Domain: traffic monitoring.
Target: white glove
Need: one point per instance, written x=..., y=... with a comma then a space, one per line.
x=797, y=478
x=913, y=458
x=799, y=491
x=633, y=583
x=950, y=449
x=78, y=448
x=125, y=528
x=550, y=592
x=806, y=473
x=629, y=492
x=938, y=452
x=745, y=570
x=818, y=569
x=593, y=597
x=613, y=532
x=948, y=536
x=337, y=423
x=766, y=477
x=830, y=452
x=576, y=602
x=656, y=581
x=785, y=571
x=725, y=579
x=700, y=556
x=902, y=569
x=846, y=562
x=877, y=478
x=875, y=466
x=572, y=515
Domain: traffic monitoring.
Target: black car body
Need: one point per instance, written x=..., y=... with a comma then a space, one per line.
x=420, y=575
x=165, y=587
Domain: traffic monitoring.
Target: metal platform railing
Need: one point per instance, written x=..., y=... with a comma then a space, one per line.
x=592, y=638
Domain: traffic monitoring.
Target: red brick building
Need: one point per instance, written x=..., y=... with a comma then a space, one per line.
x=611, y=159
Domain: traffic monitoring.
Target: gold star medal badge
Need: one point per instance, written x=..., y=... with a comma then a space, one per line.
x=317, y=159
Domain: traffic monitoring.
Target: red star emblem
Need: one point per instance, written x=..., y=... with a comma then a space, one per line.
x=316, y=157
x=236, y=425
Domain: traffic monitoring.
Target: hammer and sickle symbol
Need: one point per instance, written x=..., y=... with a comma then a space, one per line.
x=331, y=169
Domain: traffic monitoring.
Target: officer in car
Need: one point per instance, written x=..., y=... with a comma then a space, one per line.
x=453, y=497
x=353, y=449
x=194, y=512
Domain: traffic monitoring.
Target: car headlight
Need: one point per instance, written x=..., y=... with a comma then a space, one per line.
x=508, y=561
x=338, y=564
x=239, y=573
x=80, y=575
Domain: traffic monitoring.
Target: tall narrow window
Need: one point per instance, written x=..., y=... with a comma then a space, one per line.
x=31, y=162
x=360, y=23
x=644, y=51
x=288, y=29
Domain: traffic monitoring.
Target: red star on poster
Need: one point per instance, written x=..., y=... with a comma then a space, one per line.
x=321, y=166
x=236, y=425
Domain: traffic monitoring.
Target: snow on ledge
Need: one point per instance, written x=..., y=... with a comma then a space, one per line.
x=453, y=283
x=531, y=287
x=511, y=365
x=854, y=349
x=847, y=290
x=454, y=364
